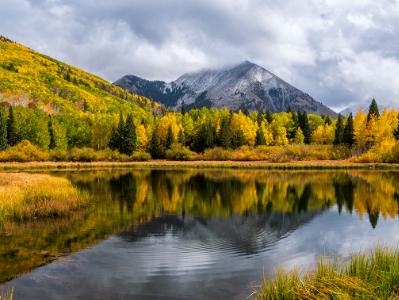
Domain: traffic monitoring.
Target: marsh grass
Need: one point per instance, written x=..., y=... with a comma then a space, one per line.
x=28, y=196
x=6, y=294
x=373, y=276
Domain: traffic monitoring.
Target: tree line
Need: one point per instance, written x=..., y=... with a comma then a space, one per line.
x=196, y=130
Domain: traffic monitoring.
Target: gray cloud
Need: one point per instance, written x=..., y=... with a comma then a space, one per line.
x=341, y=52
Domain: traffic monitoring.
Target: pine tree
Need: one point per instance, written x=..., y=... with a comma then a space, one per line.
x=181, y=138
x=373, y=110
x=396, y=131
x=305, y=127
x=170, y=139
x=238, y=139
x=260, y=118
x=3, y=132
x=155, y=145
x=224, y=138
x=11, y=132
x=260, y=137
x=129, y=137
x=114, y=138
x=269, y=117
x=115, y=142
x=349, y=132
x=183, y=109
x=52, y=144
x=339, y=131
x=206, y=137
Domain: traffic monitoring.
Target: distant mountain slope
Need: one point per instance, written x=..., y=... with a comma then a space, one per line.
x=246, y=85
x=33, y=80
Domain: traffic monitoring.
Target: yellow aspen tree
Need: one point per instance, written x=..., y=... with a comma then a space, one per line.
x=248, y=127
x=142, y=138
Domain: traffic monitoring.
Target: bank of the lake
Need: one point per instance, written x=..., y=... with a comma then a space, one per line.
x=170, y=164
x=363, y=276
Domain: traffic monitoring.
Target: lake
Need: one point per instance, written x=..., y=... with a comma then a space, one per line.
x=195, y=234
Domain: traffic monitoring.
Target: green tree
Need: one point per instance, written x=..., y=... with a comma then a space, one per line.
x=129, y=137
x=268, y=116
x=116, y=138
x=11, y=132
x=170, y=139
x=155, y=145
x=373, y=110
x=348, y=137
x=205, y=137
x=181, y=138
x=259, y=119
x=303, y=121
x=52, y=144
x=260, y=137
x=396, y=131
x=224, y=138
x=3, y=132
x=339, y=131
x=238, y=139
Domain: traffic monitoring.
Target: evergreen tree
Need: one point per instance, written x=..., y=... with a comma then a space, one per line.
x=224, y=138
x=3, y=132
x=373, y=110
x=11, y=132
x=305, y=127
x=183, y=109
x=327, y=120
x=396, y=131
x=260, y=137
x=181, y=138
x=155, y=145
x=128, y=137
x=269, y=117
x=238, y=139
x=170, y=139
x=339, y=131
x=260, y=118
x=114, y=138
x=349, y=132
x=205, y=137
x=52, y=144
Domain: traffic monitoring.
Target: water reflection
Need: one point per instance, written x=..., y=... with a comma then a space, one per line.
x=214, y=221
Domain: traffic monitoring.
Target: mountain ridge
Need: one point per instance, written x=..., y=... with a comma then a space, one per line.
x=242, y=86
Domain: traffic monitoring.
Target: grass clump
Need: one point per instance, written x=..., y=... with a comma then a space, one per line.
x=373, y=276
x=179, y=152
x=28, y=196
x=7, y=294
x=24, y=152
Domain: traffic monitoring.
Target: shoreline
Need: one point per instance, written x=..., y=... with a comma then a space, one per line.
x=169, y=164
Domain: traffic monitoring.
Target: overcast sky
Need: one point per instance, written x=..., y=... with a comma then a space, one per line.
x=339, y=51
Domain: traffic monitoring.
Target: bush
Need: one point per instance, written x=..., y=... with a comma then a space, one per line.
x=386, y=152
x=179, y=152
x=83, y=154
x=58, y=155
x=24, y=152
x=140, y=156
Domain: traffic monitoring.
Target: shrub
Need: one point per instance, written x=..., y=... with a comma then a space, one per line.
x=140, y=156
x=179, y=152
x=58, y=155
x=83, y=154
x=24, y=152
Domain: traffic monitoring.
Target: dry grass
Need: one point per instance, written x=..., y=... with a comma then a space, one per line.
x=374, y=276
x=27, y=196
x=7, y=294
x=295, y=165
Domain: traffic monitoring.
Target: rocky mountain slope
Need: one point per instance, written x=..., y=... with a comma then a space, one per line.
x=246, y=85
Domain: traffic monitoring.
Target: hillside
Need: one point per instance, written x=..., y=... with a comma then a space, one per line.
x=245, y=85
x=30, y=79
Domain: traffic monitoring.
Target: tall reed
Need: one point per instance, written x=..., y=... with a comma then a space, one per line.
x=372, y=276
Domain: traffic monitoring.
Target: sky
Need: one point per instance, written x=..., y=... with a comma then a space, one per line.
x=341, y=52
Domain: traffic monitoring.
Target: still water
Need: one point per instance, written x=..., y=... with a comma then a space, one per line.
x=167, y=234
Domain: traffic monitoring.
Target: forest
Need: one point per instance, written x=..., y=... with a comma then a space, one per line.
x=210, y=134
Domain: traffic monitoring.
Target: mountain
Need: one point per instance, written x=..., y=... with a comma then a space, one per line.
x=33, y=80
x=246, y=85
x=355, y=107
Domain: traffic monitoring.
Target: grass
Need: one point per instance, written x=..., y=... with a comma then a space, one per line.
x=372, y=276
x=7, y=294
x=167, y=164
x=28, y=196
